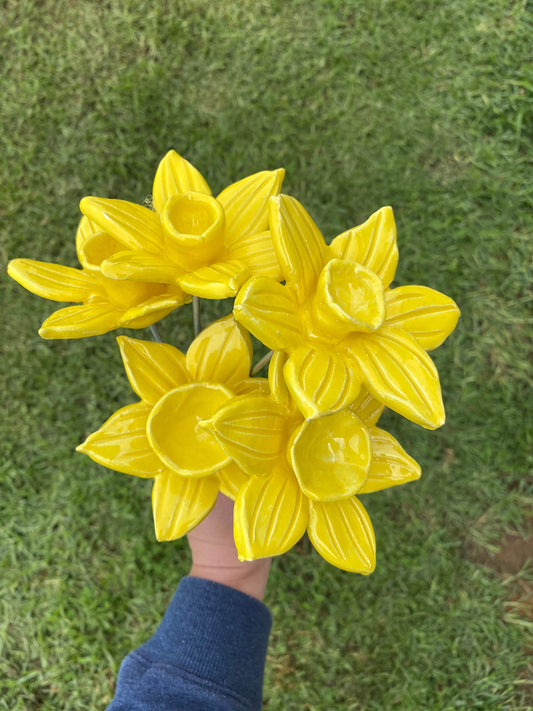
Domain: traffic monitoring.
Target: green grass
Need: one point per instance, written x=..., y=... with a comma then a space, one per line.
x=424, y=105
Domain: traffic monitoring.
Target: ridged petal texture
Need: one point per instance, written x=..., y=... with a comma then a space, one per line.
x=342, y=533
x=163, y=436
x=278, y=387
x=331, y=456
x=252, y=431
x=81, y=321
x=399, y=372
x=390, y=466
x=252, y=386
x=175, y=176
x=121, y=443
x=372, y=244
x=106, y=304
x=150, y=311
x=298, y=243
x=270, y=311
x=153, y=369
x=257, y=252
x=320, y=381
x=246, y=204
x=367, y=408
x=216, y=281
x=53, y=281
x=141, y=266
x=270, y=515
x=221, y=353
x=426, y=314
x=180, y=504
x=133, y=225
x=293, y=451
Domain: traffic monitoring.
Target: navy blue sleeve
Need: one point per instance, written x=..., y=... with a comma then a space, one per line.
x=208, y=654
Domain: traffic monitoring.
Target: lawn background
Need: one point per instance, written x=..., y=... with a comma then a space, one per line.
x=423, y=105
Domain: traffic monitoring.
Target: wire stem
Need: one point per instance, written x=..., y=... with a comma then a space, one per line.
x=196, y=315
x=156, y=334
x=261, y=363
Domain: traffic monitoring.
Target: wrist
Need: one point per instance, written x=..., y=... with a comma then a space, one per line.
x=215, y=557
x=249, y=577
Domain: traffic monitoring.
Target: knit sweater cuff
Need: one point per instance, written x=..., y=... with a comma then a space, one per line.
x=216, y=634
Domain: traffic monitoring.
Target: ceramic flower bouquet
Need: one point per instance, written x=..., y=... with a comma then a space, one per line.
x=296, y=449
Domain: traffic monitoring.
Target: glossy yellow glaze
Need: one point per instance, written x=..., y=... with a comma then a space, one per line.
x=340, y=323
x=295, y=452
x=207, y=246
x=162, y=436
x=304, y=474
x=331, y=456
x=102, y=304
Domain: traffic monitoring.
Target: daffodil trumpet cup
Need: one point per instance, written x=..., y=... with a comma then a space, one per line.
x=298, y=451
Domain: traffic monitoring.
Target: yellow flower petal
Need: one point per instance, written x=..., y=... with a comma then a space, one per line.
x=270, y=516
x=367, y=408
x=153, y=369
x=426, y=314
x=278, y=387
x=321, y=382
x=298, y=243
x=93, y=245
x=217, y=281
x=53, y=281
x=121, y=443
x=400, y=373
x=270, y=311
x=141, y=266
x=221, y=353
x=128, y=294
x=80, y=321
x=179, y=503
x=138, y=317
x=342, y=533
x=349, y=297
x=331, y=456
x=258, y=253
x=252, y=386
x=133, y=225
x=372, y=244
x=152, y=310
x=391, y=465
x=175, y=433
x=251, y=430
x=245, y=203
x=232, y=479
x=175, y=176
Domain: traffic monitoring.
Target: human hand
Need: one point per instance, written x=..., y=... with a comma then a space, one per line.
x=214, y=554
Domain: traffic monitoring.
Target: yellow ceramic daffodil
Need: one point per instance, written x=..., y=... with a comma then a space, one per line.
x=340, y=322
x=103, y=304
x=208, y=246
x=295, y=452
x=304, y=474
x=161, y=437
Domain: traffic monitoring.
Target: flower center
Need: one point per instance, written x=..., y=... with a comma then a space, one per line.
x=349, y=297
x=331, y=456
x=193, y=224
x=175, y=433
